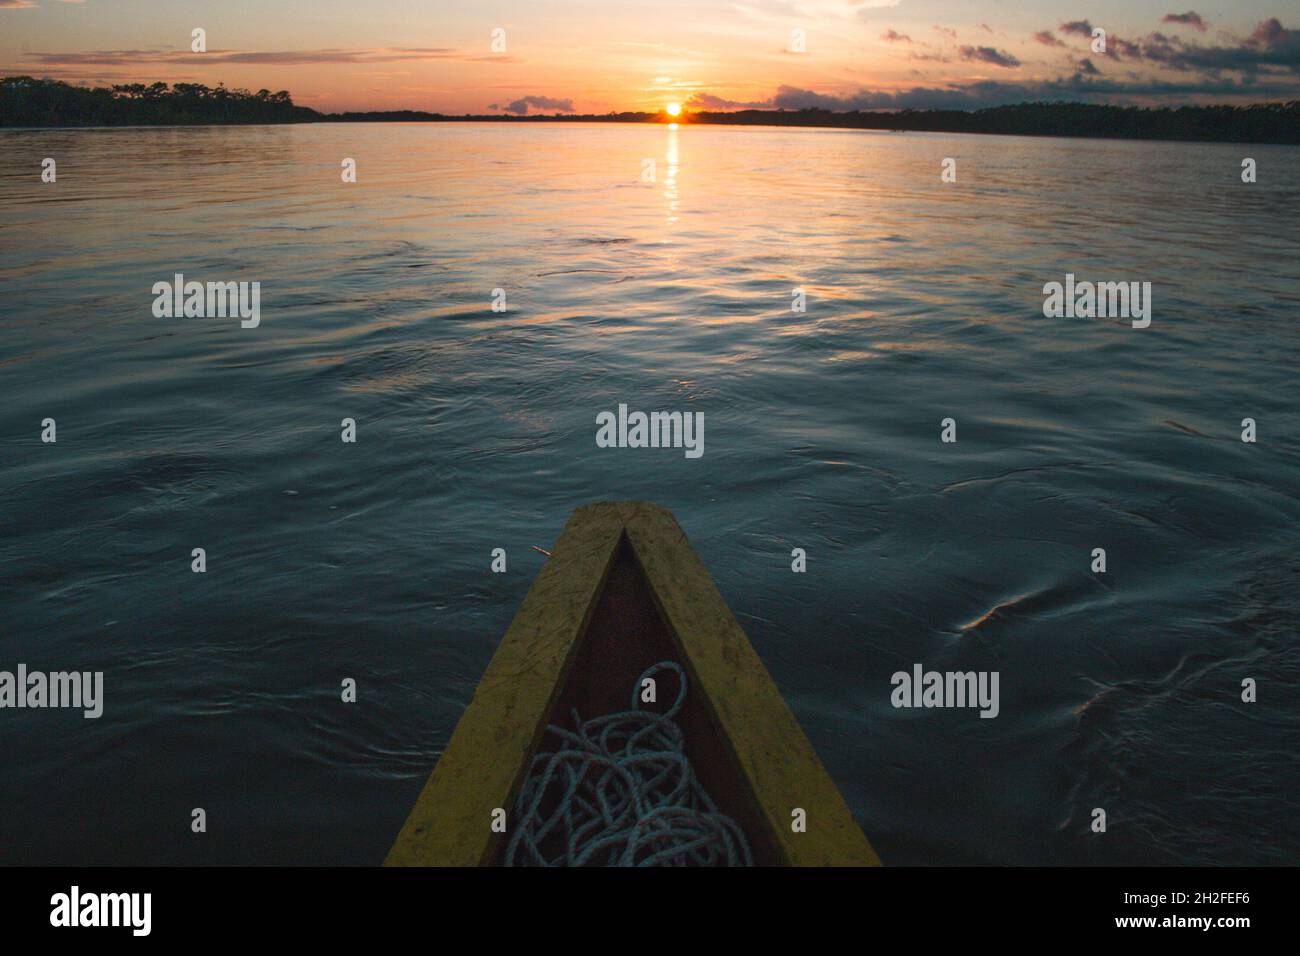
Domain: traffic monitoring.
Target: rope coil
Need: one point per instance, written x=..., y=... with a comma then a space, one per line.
x=619, y=791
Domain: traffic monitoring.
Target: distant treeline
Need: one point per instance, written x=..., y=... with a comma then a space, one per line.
x=1255, y=123
x=29, y=102
x=25, y=101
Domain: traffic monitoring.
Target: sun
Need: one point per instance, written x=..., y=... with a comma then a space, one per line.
x=673, y=109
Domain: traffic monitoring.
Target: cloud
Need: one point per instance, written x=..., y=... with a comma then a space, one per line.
x=1270, y=48
x=1270, y=34
x=946, y=31
x=708, y=101
x=893, y=36
x=987, y=54
x=520, y=106
x=16, y=4
x=1191, y=18
x=768, y=9
x=1047, y=38
x=1115, y=46
x=794, y=98
x=1084, y=28
x=866, y=9
x=269, y=58
x=1085, y=85
x=808, y=10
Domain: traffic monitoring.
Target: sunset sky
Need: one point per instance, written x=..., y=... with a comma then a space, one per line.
x=594, y=56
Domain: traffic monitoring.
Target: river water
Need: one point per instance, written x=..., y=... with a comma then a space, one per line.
x=651, y=266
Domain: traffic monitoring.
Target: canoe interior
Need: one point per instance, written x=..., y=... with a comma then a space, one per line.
x=626, y=635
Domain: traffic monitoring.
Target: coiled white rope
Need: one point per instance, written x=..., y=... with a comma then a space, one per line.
x=619, y=791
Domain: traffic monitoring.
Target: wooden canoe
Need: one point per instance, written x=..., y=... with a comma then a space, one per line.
x=622, y=590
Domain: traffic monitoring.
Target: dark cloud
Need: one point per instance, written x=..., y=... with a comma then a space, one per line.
x=1270, y=34
x=1047, y=38
x=987, y=54
x=1271, y=47
x=919, y=98
x=1079, y=87
x=1191, y=18
x=794, y=98
x=708, y=101
x=520, y=106
x=893, y=36
x=1084, y=28
x=1115, y=46
x=1087, y=67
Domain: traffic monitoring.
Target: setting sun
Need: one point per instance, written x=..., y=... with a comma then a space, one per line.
x=673, y=109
